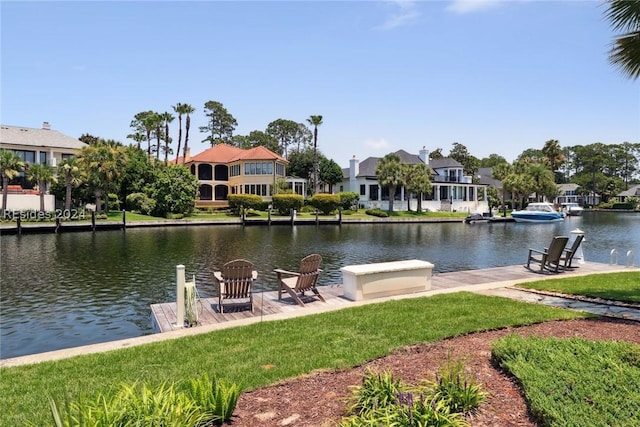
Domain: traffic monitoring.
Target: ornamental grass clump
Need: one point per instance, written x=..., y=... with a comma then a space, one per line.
x=382, y=400
x=194, y=402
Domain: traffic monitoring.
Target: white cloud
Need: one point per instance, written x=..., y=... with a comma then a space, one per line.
x=377, y=144
x=470, y=6
x=404, y=13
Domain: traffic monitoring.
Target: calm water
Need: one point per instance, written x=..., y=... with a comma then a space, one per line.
x=61, y=291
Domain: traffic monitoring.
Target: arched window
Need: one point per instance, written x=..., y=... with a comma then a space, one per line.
x=221, y=192
x=205, y=192
x=222, y=173
x=204, y=172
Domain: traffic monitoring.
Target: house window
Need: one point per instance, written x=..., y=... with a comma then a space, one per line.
x=26, y=156
x=205, y=192
x=363, y=190
x=234, y=170
x=373, y=192
x=258, y=168
x=205, y=172
x=221, y=173
x=279, y=169
x=384, y=194
x=472, y=196
x=66, y=156
x=43, y=157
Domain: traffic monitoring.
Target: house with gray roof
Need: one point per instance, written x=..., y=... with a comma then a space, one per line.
x=451, y=189
x=35, y=146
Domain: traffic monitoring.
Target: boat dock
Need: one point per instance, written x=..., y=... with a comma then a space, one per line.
x=267, y=306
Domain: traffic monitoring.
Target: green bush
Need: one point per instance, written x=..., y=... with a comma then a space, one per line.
x=114, y=202
x=625, y=205
x=283, y=203
x=377, y=212
x=246, y=201
x=325, y=203
x=349, y=200
x=174, y=191
x=141, y=203
x=195, y=402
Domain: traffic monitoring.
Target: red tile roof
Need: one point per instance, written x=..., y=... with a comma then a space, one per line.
x=224, y=153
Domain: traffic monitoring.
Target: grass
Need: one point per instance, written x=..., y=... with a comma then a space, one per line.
x=617, y=286
x=264, y=353
x=575, y=382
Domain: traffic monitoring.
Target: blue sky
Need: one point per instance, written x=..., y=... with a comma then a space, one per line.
x=495, y=76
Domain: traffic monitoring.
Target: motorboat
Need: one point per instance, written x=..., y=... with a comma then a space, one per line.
x=572, y=209
x=478, y=218
x=538, y=212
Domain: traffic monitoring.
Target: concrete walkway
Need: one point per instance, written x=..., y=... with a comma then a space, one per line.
x=498, y=281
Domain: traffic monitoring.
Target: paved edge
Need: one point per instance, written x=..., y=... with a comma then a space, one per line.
x=306, y=311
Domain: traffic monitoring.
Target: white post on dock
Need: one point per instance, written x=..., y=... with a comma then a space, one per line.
x=579, y=254
x=180, y=280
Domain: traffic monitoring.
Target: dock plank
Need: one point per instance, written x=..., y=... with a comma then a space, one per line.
x=266, y=303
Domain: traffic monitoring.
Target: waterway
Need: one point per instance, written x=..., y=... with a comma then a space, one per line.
x=71, y=289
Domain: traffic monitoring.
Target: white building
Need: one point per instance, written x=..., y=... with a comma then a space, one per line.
x=451, y=189
x=35, y=146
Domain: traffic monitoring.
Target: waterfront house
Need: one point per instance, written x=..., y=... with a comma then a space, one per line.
x=632, y=191
x=224, y=169
x=35, y=146
x=451, y=189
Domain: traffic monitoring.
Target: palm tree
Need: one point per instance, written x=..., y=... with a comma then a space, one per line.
x=10, y=167
x=500, y=172
x=104, y=164
x=553, y=154
x=624, y=16
x=167, y=118
x=42, y=175
x=186, y=109
x=315, y=121
x=390, y=174
x=70, y=169
x=418, y=181
x=180, y=109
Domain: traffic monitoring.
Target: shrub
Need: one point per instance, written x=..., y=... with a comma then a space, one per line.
x=458, y=392
x=174, y=191
x=349, y=200
x=114, y=202
x=247, y=201
x=377, y=212
x=195, y=402
x=325, y=203
x=625, y=205
x=141, y=203
x=283, y=203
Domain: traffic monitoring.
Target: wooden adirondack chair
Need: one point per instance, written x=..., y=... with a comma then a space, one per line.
x=568, y=254
x=305, y=279
x=235, y=281
x=549, y=258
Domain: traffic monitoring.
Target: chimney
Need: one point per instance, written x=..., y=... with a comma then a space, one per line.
x=46, y=126
x=354, y=170
x=424, y=155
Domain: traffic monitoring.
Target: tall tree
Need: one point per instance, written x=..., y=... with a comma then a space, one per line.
x=179, y=109
x=10, y=167
x=624, y=16
x=104, y=164
x=88, y=139
x=287, y=133
x=436, y=154
x=167, y=118
x=500, y=172
x=460, y=153
x=42, y=175
x=553, y=155
x=70, y=170
x=315, y=121
x=187, y=109
x=492, y=161
x=258, y=138
x=390, y=174
x=145, y=122
x=221, y=124
x=418, y=181
x=330, y=173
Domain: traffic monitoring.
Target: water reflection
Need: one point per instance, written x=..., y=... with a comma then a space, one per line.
x=72, y=289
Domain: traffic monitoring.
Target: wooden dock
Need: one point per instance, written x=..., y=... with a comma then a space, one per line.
x=163, y=315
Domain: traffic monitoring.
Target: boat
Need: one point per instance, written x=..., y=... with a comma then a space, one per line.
x=572, y=209
x=477, y=218
x=538, y=212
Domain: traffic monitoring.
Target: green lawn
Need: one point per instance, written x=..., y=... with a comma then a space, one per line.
x=617, y=286
x=264, y=353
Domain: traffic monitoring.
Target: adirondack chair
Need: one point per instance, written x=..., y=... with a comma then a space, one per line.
x=235, y=281
x=304, y=280
x=550, y=257
x=568, y=254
